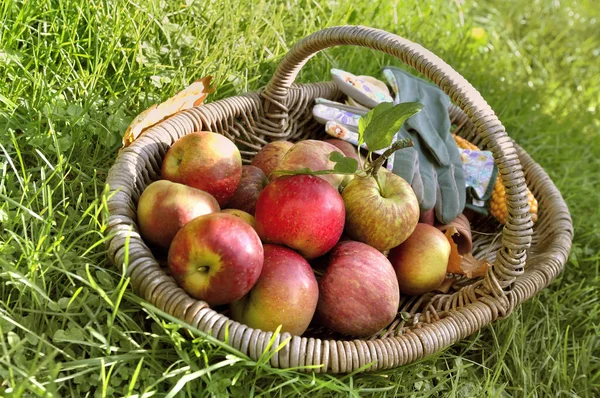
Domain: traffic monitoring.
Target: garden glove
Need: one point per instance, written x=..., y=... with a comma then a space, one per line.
x=362, y=90
x=439, y=162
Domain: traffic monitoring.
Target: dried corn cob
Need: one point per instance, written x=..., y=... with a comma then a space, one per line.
x=464, y=144
x=498, y=207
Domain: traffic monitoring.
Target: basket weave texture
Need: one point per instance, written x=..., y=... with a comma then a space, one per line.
x=525, y=258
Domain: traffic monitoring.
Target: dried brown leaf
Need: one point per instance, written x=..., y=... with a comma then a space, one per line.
x=454, y=261
x=473, y=268
x=191, y=96
x=466, y=264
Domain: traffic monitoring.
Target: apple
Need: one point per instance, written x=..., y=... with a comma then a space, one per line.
x=312, y=154
x=286, y=294
x=207, y=161
x=381, y=214
x=216, y=258
x=427, y=217
x=421, y=260
x=303, y=212
x=347, y=148
x=358, y=294
x=165, y=207
x=251, y=184
x=247, y=217
x=268, y=158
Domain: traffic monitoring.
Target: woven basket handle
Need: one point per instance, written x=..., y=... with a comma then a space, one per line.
x=516, y=235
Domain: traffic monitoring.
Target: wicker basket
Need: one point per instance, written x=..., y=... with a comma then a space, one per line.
x=525, y=258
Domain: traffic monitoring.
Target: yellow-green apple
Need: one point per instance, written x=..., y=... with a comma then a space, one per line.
x=207, y=161
x=358, y=294
x=380, y=213
x=247, y=217
x=216, y=258
x=268, y=158
x=165, y=207
x=312, y=154
x=421, y=260
x=303, y=212
x=252, y=183
x=286, y=294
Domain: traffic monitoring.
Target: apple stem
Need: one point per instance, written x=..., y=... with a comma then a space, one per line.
x=396, y=146
x=376, y=177
x=361, y=166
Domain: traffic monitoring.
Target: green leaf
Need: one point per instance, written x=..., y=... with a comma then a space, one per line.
x=13, y=339
x=335, y=156
x=343, y=164
x=381, y=130
x=373, y=114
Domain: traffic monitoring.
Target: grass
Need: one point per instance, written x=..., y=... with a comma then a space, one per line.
x=74, y=73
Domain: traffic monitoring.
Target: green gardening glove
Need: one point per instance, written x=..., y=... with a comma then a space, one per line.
x=435, y=172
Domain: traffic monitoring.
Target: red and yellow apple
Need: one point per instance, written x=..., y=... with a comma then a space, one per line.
x=247, y=217
x=165, y=207
x=358, y=294
x=268, y=158
x=303, y=212
x=251, y=184
x=421, y=260
x=285, y=294
x=312, y=154
x=207, y=161
x=216, y=258
x=381, y=214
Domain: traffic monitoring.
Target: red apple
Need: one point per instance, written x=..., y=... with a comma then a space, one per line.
x=427, y=217
x=216, y=258
x=303, y=212
x=165, y=207
x=421, y=261
x=286, y=294
x=252, y=183
x=268, y=158
x=347, y=148
x=358, y=294
x=207, y=161
x=381, y=214
x=312, y=154
x=242, y=215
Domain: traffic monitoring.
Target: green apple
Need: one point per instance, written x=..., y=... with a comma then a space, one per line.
x=381, y=213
